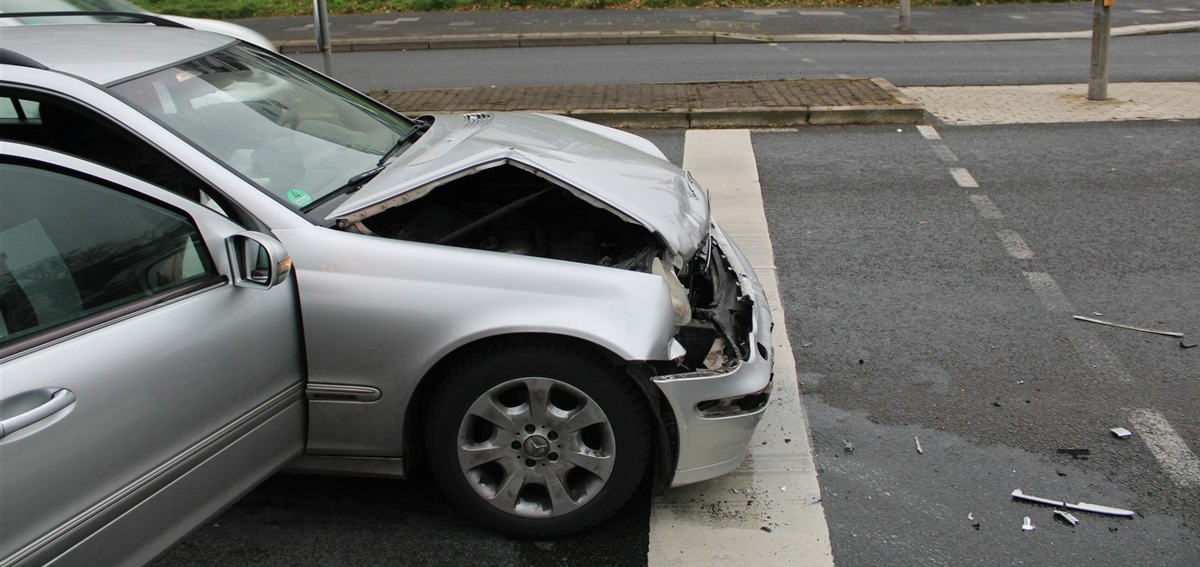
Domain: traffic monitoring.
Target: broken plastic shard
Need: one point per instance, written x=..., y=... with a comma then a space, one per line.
x=715, y=358
x=1028, y=525
x=1066, y=517
x=1121, y=432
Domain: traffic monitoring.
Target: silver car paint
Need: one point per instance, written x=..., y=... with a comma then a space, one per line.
x=55, y=46
x=216, y=26
x=156, y=392
x=381, y=312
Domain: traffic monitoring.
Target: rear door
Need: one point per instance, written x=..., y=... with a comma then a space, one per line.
x=150, y=362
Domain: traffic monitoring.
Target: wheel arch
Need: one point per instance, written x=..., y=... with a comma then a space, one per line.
x=417, y=413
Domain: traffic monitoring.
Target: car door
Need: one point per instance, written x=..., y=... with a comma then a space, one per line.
x=151, y=368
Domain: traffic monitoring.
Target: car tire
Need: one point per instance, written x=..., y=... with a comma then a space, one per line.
x=537, y=437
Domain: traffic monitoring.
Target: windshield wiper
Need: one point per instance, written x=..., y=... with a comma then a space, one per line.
x=419, y=128
x=353, y=184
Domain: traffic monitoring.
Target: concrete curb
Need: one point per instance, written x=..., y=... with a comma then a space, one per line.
x=510, y=40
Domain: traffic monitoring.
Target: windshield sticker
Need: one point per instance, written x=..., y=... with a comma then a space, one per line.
x=299, y=198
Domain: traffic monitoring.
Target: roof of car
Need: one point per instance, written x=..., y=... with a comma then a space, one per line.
x=108, y=53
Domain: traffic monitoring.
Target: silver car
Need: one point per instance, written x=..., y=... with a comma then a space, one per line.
x=539, y=310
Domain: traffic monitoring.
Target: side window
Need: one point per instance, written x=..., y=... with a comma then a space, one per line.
x=63, y=126
x=71, y=248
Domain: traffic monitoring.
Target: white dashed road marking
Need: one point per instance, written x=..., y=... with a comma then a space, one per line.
x=394, y=22
x=929, y=132
x=987, y=209
x=943, y=152
x=1048, y=291
x=1169, y=448
x=963, y=178
x=719, y=523
x=1015, y=245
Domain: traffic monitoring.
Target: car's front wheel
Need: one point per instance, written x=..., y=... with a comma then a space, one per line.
x=537, y=438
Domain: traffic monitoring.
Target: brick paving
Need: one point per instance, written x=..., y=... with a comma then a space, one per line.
x=779, y=94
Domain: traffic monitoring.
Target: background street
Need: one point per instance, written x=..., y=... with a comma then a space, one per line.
x=929, y=277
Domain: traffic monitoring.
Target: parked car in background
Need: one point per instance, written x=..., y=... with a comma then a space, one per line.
x=218, y=262
x=39, y=6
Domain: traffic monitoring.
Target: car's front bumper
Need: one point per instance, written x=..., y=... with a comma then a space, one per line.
x=712, y=443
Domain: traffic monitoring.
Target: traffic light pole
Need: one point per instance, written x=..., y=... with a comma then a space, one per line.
x=1101, y=39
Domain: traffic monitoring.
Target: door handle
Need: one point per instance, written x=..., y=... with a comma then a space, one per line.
x=57, y=402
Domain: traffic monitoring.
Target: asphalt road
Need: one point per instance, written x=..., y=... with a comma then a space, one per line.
x=913, y=320
x=1148, y=58
x=910, y=317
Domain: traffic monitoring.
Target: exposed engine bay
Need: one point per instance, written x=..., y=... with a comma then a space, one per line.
x=507, y=209
x=512, y=210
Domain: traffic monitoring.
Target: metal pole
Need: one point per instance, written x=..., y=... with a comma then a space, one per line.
x=1101, y=40
x=905, y=15
x=321, y=15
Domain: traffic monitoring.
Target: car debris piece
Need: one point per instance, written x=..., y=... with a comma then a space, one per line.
x=847, y=446
x=1066, y=517
x=1186, y=344
x=1028, y=525
x=1076, y=453
x=1081, y=506
x=1121, y=432
x=919, y=450
x=1131, y=327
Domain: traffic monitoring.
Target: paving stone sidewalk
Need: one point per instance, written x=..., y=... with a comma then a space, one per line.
x=1043, y=104
x=682, y=105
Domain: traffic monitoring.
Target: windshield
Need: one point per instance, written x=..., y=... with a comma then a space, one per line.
x=294, y=133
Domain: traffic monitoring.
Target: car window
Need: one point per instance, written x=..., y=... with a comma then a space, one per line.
x=294, y=133
x=47, y=121
x=71, y=248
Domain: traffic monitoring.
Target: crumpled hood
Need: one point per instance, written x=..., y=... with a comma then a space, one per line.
x=613, y=169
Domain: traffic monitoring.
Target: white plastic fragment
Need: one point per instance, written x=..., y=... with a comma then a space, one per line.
x=1121, y=432
x=1131, y=327
x=919, y=450
x=971, y=516
x=1067, y=517
x=1081, y=506
x=1028, y=525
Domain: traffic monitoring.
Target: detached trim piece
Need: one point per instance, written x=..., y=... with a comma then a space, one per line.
x=1082, y=506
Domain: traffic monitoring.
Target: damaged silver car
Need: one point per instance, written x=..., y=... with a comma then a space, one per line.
x=538, y=309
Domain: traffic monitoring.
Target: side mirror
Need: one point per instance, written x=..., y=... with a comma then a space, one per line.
x=257, y=260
